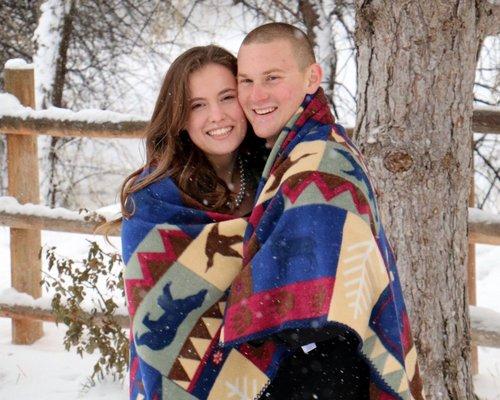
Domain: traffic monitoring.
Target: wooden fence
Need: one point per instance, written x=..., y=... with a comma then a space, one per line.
x=25, y=227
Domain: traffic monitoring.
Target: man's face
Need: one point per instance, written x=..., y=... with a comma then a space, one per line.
x=271, y=86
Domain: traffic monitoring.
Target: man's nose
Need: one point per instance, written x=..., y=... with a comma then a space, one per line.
x=258, y=93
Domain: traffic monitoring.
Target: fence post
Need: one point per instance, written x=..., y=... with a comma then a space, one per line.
x=23, y=184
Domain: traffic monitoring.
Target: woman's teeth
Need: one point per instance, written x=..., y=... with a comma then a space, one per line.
x=220, y=132
x=263, y=111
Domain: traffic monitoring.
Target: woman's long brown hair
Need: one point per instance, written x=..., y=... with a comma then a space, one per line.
x=169, y=150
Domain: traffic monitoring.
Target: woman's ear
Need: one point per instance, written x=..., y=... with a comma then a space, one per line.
x=314, y=76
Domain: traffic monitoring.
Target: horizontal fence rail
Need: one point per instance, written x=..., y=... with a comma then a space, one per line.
x=486, y=120
x=67, y=128
x=31, y=216
x=19, y=311
x=483, y=121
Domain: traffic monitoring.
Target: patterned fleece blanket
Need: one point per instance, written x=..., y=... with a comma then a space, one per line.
x=315, y=254
x=180, y=261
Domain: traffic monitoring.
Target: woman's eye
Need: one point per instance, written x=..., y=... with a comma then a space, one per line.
x=228, y=97
x=196, y=105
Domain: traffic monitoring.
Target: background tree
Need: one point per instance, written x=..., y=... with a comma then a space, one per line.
x=19, y=20
x=416, y=67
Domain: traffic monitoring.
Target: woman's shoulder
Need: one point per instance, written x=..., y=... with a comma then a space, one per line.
x=162, y=189
x=154, y=199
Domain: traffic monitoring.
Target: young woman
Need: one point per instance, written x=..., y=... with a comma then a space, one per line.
x=182, y=231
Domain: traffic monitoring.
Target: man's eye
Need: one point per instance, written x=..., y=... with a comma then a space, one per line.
x=272, y=77
x=245, y=81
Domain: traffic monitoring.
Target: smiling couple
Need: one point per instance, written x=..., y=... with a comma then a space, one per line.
x=258, y=270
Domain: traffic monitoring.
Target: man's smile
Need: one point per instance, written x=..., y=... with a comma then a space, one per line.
x=264, y=111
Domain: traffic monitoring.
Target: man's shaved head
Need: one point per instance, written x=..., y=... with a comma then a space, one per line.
x=301, y=45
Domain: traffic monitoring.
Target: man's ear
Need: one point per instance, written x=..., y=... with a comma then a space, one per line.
x=314, y=76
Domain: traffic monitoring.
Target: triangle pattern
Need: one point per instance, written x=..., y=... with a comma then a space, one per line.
x=380, y=360
x=178, y=373
x=394, y=379
x=369, y=345
x=403, y=387
x=213, y=312
x=391, y=365
x=182, y=384
x=212, y=324
x=190, y=366
x=200, y=330
x=378, y=348
x=222, y=307
x=189, y=351
x=201, y=345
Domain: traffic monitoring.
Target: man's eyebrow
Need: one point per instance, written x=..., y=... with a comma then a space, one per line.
x=270, y=71
x=267, y=72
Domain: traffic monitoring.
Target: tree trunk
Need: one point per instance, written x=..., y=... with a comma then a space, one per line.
x=416, y=65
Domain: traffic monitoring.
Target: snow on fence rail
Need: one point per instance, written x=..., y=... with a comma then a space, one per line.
x=36, y=216
x=23, y=124
x=20, y=120
x=22, y=306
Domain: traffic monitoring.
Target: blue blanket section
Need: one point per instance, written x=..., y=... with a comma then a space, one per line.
x=158, y=203
x=294, y=250
x=150, y=380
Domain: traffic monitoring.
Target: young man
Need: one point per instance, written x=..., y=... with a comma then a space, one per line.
x=319, y=277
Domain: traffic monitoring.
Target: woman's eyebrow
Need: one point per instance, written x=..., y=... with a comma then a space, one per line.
x=227, y=90
x=223, y=91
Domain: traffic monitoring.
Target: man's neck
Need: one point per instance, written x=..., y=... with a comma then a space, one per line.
x=271, y=141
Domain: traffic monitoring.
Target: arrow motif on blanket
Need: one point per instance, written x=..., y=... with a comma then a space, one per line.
x=357, y=276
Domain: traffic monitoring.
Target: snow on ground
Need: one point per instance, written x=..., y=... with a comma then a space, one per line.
x=46, y=371
x=487, y=383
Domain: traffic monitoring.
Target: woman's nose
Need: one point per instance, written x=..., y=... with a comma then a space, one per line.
x=216, y=113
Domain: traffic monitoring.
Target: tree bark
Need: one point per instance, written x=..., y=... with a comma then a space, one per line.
x=416, y=65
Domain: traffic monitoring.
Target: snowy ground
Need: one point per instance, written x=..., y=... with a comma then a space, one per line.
x=46, y=371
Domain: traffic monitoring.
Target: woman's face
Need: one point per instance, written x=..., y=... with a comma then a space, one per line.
x=216, y=123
